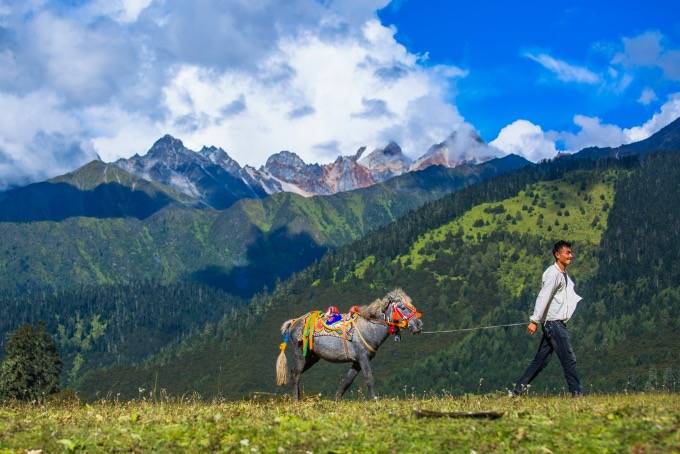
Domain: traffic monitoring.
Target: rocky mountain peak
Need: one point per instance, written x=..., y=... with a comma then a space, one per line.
x=285, y=158
x=386, y=162
x=392, y=149
x=220, y=157
x=167, y=145
x=463, y=146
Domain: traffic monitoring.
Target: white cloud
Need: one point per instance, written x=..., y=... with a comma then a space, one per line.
x=592, y=133
x=670, y=111
x=38, y=139
x=524, y=138
x=648, y=50
x=647, y=96
x=529, y=140
x=641, y=50
x=119, y=74
x=564, y=71
x=132, y=8
x=116, y=132
x=338, y=84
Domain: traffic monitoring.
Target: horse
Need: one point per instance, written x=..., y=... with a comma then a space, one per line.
x=373, y=325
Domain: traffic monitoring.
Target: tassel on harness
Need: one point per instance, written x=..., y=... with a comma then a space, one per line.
x=282, y=363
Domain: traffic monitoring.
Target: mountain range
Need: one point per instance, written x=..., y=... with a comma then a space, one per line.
x=213, y=178
x=152, y=217
x=110, y=226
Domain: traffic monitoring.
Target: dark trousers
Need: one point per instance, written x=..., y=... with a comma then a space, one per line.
x=555, y=338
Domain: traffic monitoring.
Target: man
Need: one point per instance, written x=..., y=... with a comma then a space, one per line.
x=555, y=304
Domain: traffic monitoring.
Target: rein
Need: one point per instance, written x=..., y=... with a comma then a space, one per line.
x=473, y=329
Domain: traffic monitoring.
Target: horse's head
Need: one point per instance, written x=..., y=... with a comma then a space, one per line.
x=401, y=312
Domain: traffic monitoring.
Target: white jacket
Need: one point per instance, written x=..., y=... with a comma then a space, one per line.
x=557, y=299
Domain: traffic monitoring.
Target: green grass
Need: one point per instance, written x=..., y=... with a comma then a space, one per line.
x=574, y=207
x=598, y=423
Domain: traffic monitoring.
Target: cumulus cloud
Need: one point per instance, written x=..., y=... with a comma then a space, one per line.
x=37, y=139
x=564, y=71
x=332, y=92
x=529, y=140
x=669, y=112
x=112, y=76
x=592, y=132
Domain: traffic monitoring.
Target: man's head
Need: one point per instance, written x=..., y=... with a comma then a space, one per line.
x=562, y=253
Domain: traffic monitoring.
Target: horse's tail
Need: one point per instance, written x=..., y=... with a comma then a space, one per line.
x=281, y=361
x=286, y=327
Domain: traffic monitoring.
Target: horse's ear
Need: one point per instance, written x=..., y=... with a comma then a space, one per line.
x=385, y=304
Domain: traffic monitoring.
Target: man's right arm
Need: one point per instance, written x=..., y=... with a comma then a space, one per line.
x=549, y=283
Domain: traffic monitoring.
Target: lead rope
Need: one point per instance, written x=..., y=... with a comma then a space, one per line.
x=473, y=329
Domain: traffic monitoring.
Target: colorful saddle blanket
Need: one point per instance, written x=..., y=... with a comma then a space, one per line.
x=334, y=326
x=316, y=324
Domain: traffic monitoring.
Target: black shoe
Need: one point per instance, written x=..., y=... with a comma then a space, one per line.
x=518, y=391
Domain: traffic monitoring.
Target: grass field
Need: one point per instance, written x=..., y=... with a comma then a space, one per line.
x=598, y=423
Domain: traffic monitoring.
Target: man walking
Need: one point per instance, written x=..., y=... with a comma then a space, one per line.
x=555, y=304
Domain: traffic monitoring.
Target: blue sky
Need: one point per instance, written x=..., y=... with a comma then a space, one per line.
x=105, y=78
x=491, y=39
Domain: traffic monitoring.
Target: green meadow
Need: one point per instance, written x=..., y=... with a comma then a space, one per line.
x=575, y=207
x=596, y=423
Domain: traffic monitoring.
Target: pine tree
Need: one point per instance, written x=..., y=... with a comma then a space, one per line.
x=31, y=367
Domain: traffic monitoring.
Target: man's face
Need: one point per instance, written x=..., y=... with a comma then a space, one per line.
x=564, y=255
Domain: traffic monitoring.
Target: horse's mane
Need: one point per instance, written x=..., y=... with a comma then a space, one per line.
x=375, y=309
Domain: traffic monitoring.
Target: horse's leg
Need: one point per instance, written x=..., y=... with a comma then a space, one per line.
x=365, y=364
x=298, y=368
x=301, y=365
x=347, y=381
x=297, y=373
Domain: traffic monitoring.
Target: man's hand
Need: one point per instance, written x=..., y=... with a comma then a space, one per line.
x=531, y=328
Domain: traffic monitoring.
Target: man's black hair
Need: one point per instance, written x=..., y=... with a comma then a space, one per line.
x=559, y=245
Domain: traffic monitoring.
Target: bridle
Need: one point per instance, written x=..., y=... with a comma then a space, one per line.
x=395, y=317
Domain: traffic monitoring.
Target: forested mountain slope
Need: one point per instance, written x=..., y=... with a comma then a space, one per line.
x=473, y=258
x=98, y=326
x=60, y=235
x=96, y=190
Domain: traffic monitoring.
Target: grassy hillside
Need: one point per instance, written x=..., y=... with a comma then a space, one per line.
x=466, y=263
x=241, y=249
x=542, y=209
x=606, y=423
